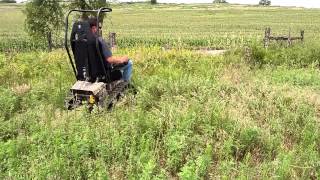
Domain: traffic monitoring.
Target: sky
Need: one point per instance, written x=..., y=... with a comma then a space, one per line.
x=298, y=3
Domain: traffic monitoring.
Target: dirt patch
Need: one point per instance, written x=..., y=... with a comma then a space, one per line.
x=21, y=89
x=211, y=52
x=199, y=50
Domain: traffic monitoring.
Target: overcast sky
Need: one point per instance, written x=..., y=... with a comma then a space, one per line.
x=298, y=3
x=304, y=3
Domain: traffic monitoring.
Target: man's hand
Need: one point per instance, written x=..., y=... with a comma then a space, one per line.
x=123, y=59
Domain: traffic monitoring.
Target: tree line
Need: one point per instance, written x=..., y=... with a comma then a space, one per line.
x=8, y=1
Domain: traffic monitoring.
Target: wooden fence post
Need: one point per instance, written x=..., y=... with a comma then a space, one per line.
x=302, y=35
x=267, y=35
x=112, y=40
x=289, y=38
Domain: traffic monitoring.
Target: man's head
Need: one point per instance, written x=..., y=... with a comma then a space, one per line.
x=93, y=24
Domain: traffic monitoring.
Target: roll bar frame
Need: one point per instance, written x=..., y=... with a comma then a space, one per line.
x=99, y=11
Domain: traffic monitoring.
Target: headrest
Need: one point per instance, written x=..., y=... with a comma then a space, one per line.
x=80, y=31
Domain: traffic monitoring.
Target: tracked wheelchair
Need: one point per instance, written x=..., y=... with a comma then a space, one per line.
x=98, y=82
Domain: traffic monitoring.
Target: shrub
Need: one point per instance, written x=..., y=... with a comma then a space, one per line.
x=8, y=103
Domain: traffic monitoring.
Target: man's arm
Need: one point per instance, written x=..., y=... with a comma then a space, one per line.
x=108, y=54
x=117, y=60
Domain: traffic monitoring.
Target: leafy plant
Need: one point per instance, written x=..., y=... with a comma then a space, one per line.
x=44, y=20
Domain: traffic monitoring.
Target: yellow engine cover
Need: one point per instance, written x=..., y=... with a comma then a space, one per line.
x=92, y=99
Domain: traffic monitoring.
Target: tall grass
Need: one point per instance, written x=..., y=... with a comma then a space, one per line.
x=195, y=116
x=250, y=113
x=300, y=55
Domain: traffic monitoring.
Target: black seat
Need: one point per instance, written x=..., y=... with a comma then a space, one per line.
x=90, y=62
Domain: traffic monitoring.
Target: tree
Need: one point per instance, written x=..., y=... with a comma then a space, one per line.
x=44, y=19
x=153, y=1
x=219, y=1
x=88, y=4
x=8, y=1
x=265, y=2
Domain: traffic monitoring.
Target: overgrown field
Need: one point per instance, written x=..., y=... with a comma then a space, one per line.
x=250, y=113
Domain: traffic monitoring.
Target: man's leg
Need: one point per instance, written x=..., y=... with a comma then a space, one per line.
x=127, y=71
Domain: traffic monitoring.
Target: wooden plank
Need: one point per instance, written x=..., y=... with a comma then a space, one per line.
x=94, y=88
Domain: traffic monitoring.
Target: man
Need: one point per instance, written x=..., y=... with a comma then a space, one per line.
x=123, y=61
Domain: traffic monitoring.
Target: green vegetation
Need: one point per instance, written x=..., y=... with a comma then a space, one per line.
x=250, y=113
x=217, y=26
x=265, y=2
x=43, y=20
x=87, y=4
x=220, y=1
x=7, y=1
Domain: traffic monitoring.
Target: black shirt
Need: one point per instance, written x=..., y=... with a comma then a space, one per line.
x=105, y=48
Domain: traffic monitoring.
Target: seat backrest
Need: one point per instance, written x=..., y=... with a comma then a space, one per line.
x=88, y=62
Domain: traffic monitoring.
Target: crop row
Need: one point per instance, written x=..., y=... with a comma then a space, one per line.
x=25, y=44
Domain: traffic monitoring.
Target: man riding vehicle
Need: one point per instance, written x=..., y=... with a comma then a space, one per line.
x=123, y=63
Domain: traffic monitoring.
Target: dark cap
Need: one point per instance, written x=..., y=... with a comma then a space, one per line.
x=92, y=21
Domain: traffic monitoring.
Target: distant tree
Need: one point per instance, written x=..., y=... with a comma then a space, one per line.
x=220, y=1
x=8, y=1
x=153, y=1
x=44, y=19
x=265, y=2
x=88, y=4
